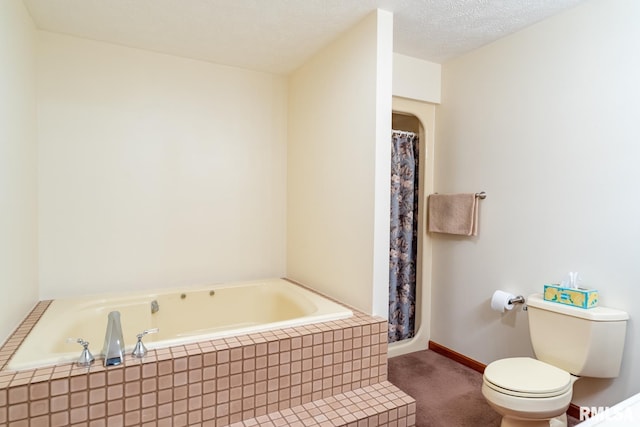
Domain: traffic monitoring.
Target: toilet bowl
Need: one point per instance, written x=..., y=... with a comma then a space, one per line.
x=569, y=342
x=528, y=392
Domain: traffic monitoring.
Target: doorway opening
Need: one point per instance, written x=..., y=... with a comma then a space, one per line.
x=419, y=117
x=403, y=248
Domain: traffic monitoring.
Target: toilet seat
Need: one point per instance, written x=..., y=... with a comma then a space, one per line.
x=527, y=377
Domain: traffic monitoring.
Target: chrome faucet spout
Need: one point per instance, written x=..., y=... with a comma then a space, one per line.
x=113, y=342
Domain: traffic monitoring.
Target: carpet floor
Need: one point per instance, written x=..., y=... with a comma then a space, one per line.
x=447, y=393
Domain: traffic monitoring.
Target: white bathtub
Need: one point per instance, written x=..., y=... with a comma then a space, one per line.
x=185, y=315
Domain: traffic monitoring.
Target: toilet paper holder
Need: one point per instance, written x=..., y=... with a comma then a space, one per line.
x=519, y=300
x=501, y=301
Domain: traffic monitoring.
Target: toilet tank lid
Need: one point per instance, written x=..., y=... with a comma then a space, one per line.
x=595, y=314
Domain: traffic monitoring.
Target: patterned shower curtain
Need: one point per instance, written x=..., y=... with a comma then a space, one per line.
x=404, y=235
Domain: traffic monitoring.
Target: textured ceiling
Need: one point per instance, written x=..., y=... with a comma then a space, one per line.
x=279, y=35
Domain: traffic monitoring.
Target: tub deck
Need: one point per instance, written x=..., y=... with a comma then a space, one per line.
x=324, y=374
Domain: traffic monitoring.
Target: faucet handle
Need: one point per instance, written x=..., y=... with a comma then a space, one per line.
x=147, y=331
x=86, y=358
x=140, y=350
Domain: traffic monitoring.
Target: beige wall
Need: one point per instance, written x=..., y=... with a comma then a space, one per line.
x=338, y=155
x=417, y=79
x=546, y=122
x=18, y=166
x=156, y=170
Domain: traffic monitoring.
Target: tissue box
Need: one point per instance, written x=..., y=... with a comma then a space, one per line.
x=577, y=297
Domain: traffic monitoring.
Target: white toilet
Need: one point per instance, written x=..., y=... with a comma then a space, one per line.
x=569, y=342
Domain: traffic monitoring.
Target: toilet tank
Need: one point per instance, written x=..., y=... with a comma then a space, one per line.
x=584, y=342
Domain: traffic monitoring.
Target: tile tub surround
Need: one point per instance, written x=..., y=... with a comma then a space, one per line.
x=213, y=383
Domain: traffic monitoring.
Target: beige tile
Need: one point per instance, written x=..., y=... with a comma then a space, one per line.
x=222, y=370
x=180, y=393
x=180, y=406
x=222, y=396
x=115, y=391
x=195, y=361
x=180, y=364
x=209, y=359
x=165, y=410
x=180, y=378
x=208, y=386
x=165, y=367
x=97, y=411
x=223, y=356
x=60, y=386
x=97, y=380
x=195, y=403
x=79, y=383
x=59, y=403
x=132, y=404
x=39, y=421
x=209, y=413
x=236, y=354
x=194, y=418
x=149, y=370
x=148, y=415
x=115, y=407
x=235, y=393
x=60, y=419
x=17, y=412
x=195, y=375
x=18, y=394
x=132, y=373
x=209, y=372
x=222, y=383
x=194, y=389
x=115, y=375
x=80, y=398
x=235, y=367
x=78, y=415
x=115, y=420
x=148, y=385
x=132, y=418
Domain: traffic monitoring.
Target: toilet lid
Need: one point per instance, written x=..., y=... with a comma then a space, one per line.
x=525, y=376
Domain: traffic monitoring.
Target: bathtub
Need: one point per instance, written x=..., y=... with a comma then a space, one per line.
x=184, y=316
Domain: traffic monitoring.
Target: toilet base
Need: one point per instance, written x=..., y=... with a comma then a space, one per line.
x=560, y=421
x=529, y=412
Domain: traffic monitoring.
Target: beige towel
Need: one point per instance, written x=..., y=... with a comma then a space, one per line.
x=453, y=214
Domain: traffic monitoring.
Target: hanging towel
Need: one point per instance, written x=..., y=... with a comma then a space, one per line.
x=453, y=214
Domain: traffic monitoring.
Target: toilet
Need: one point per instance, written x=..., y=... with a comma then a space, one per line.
x=569, y=343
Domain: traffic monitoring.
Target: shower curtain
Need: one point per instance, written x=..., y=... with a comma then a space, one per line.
x=404, y=235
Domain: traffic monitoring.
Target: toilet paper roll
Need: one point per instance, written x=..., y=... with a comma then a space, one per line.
x=500, y=301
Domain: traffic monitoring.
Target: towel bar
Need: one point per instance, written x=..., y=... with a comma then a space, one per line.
x=480, y=195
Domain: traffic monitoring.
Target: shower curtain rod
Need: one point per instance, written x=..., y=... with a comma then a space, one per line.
x=403, y=132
